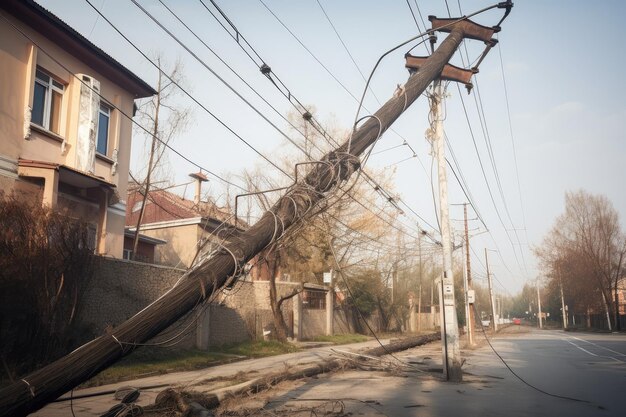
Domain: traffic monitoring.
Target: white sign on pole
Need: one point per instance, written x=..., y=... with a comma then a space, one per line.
x=328, y=277
x=448, y=294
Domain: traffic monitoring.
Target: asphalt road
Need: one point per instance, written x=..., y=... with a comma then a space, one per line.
x=589, y=369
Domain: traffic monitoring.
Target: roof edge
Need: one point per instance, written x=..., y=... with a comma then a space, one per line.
x=46, y=23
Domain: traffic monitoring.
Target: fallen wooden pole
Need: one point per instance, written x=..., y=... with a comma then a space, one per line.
x=403, y=344
x=213, y=399
x=46, y=384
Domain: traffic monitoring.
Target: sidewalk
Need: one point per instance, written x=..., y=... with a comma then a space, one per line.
x=94, y=405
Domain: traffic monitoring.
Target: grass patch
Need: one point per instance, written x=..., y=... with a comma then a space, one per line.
x=260, y=349
x=150, y=361
x=342, y=339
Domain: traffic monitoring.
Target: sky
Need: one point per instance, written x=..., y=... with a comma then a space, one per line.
x=548, y=101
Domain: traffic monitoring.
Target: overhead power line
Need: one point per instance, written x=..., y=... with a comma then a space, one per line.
x=195, y=100
x=243, y=80
x=251, y=52
x=465, y=188
x=126, y=115
x=483, y=122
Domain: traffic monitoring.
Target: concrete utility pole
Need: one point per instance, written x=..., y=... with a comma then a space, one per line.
x=468, y=269
x=494, y=325
x=539, y=306
x=450, y=327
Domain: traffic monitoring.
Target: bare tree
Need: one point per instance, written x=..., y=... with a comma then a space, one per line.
x=163, y=119
x=587, y=242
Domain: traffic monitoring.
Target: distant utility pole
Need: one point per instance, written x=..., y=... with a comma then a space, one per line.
x=450, y=327
x=466, y=298
x=563, y=307
x=419, y=299
x=470, y=305
x=499, y=307
x=494, y=325
x=564, y=313
x=539, y=306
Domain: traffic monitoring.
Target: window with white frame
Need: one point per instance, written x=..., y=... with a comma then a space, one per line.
x=104, y=117
x=47, y=98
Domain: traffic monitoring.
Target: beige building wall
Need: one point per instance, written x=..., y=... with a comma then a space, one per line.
x=20, y=139
x=182, y=243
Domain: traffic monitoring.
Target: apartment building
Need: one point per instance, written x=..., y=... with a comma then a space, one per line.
x=65, y=127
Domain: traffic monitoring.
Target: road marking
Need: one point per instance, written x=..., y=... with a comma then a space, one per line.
x=583, y=349
x=591, y=353
x=600, y=346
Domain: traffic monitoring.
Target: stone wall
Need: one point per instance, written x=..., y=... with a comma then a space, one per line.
x=119, y=289
x=122, y=288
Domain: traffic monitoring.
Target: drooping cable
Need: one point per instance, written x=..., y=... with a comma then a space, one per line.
x=241, y=41
x=563, y=397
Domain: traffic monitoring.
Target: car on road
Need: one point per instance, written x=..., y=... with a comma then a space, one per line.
x=517, y=321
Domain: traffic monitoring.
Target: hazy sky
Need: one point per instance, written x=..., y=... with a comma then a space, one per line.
x=563, y=64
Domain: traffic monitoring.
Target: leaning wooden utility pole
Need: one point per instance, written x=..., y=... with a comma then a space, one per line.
x=222, y=266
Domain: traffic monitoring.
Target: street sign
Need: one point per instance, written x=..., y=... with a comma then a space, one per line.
x=448, y=294
x=328, y=277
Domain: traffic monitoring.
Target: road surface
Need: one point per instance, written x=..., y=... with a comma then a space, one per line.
x=589, y=369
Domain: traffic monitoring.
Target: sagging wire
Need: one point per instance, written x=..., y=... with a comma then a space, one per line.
x=421, y=35
x=203, y=301
x=273, y=240
x=369, y=79
x=242, y=80
x=563, y=397
x=234, y=258
x=113, y=106
x=345, y=281
x=267, y=71
x=185, y=91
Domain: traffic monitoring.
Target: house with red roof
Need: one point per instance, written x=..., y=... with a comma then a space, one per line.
x=174, y=230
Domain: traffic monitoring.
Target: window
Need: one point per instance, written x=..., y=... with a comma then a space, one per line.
x=314, y=300
x=128, y=254
x=104, y=116
x=47, y=97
